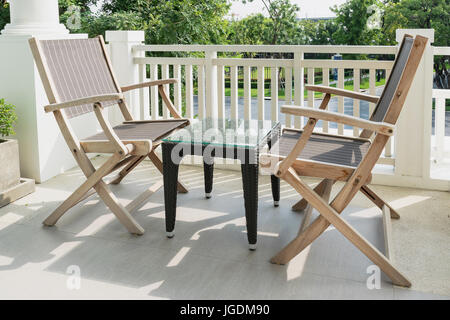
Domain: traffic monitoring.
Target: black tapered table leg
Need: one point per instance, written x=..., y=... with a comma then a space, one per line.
x=250, y=186
x=170, y=176
x=208, y=170
x=275, y=190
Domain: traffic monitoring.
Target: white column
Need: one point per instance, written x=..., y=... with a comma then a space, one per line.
x=120, y=48
x=34, y=17
x=413, y=130
x=43, y=152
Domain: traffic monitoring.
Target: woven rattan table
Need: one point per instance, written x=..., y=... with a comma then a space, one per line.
x=220, y=138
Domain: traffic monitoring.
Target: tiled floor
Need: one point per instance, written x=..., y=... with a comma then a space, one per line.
x=208, y=257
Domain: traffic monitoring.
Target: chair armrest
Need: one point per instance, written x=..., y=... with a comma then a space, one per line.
x=380, y=127
x=78, y=102
x=343, y=93
x=148, y=84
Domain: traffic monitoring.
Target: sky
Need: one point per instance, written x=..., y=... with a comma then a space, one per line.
x=308, y=8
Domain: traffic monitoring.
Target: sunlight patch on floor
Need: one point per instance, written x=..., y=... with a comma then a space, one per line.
x=97, y=225
x=407, y=201
x=9, y=219
x=178, y=257
x=5, y=261
x=236, y=222
x=297, y=265
x=187, y=214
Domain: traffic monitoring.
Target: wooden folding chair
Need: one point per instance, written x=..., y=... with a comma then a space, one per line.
x=78, y=79
x=334, y=157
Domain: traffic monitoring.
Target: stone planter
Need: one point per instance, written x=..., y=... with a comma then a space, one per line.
x=12, y=187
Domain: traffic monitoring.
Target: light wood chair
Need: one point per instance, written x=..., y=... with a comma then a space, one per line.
x=78, y=79
x=343, y=158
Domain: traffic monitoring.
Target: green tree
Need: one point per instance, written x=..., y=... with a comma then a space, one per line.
x=252, y=30
x=352, y=20
x=418, y=14
x=283, y=24
x=83, y=5
x=177, y=21
x=317, y=32
x=98, y=25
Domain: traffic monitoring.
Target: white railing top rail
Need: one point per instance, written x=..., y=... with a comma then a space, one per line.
x=441, y=93
x=441, y=51
x=269, y=48
x=286, y=63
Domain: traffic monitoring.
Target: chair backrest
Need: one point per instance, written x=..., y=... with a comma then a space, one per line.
x=73, y=69
x=388, y=110
x=383, y=104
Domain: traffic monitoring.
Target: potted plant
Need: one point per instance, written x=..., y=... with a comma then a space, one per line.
x=12, y=186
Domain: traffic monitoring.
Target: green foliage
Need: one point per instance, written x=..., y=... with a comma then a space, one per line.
x=7, y=118
x=418, y=14
x=317, y=32
x=83, y=5
x=97, y=25
x=282, y=25
x=351, y=20
x=252, y=30
x=177, y=21
x=4, y=14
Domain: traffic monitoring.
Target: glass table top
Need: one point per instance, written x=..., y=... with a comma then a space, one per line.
x=238, y=133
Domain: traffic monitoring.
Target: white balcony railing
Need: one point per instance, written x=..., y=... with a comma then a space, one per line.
x=202, y=89
x=241, y=81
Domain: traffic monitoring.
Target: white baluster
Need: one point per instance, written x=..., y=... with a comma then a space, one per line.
x=144, y=107
x=261, y=93
x=234, y=92
x=326, y=82
x=177, y=87
x=165, y=75
x=299, y=85
x=247, y=93
x=201, y=91
x=288, y=93
x=211, y=84
x=189, y=92
x=356, y=103
x=311, y=82
x=341, y=79
x=154, y=92
x=274, y=93
x=221, y=91
x=372, y=89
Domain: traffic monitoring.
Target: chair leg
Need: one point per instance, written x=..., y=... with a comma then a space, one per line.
x=119, y=211
x=372, y=196
x=140, y=200
x=81, y=191
x=333, y=217
x=325, y=193
x=95, y=181
x=71, y=201
x=302, y=204
x=158, y=164
x=125, y=171
x=306, y=218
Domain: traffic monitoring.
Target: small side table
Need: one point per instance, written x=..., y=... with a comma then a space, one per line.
x=233, y=139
